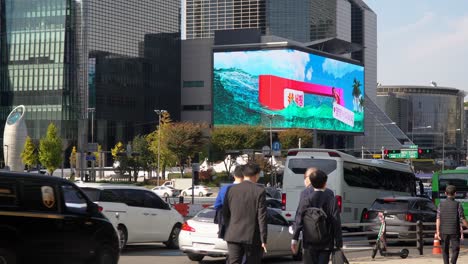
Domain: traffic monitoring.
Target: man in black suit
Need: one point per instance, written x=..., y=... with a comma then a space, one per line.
x=245, y=216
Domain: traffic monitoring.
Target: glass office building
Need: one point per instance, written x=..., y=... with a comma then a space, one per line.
x=431, y=116
x=60, y=58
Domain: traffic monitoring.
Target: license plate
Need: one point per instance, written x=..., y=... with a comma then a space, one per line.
x=202, y=245
x=390, y=217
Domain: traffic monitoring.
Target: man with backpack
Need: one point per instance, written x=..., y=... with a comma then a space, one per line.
x=319, y=220
x=450, y=216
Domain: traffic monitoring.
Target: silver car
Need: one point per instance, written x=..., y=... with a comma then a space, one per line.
x=199, y=236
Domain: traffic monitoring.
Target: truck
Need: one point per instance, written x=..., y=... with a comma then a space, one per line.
x=179, y=184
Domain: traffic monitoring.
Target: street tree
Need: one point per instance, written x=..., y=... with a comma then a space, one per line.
x=184, y=140
x=50, y=149
x=227, y=142
x=166, y=156
x=29, y=155
x=73, y=161
x=119, y=155
x=142, y=157
x=289, y=138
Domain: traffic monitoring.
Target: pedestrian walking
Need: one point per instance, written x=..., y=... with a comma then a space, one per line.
x=218, y=205
x=319, y=220
x=244, y=213
x=450, y=216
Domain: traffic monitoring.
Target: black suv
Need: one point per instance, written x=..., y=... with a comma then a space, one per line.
x=46, y=219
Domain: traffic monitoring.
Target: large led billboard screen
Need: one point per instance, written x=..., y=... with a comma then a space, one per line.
x=294, y=88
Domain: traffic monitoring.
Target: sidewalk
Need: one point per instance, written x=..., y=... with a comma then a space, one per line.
x=427, y=258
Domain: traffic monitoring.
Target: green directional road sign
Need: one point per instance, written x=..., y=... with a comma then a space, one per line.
x=405, y=154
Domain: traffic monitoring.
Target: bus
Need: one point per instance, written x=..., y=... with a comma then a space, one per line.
x=457, y=177
x=355, y=182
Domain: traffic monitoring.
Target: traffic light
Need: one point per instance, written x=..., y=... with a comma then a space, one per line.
x=385, y=153
x=420, y=151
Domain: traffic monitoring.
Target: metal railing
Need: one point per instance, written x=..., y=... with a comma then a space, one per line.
x=423, y=232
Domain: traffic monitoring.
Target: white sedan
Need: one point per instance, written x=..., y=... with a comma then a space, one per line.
x=164, y=191
x=199, y=237
x=200, y=190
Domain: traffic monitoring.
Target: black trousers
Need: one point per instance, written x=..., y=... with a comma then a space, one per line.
x=237, y=252
x=312, y=256
x=454, y=242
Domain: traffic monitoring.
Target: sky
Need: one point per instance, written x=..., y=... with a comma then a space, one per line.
x=420, y=41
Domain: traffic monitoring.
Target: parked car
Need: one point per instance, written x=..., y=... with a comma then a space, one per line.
x=138, y=214
x=199, y=236
x=400, y=209
x=45, y=219
x=165, y=191
x=200, y=190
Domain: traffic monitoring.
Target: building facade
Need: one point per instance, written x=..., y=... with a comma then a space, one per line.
x=113, y=61
x=432, y=117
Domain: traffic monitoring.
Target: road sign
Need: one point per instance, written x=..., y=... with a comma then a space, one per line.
x=276, y=146
x=90, y=158
x=377, y=156
x=405, y=154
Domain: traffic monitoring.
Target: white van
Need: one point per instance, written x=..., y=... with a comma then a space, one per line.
x=138, y=214
x=355, y=182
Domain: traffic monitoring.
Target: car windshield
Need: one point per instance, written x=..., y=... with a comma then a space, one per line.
x=92, y=193
x=390, y=204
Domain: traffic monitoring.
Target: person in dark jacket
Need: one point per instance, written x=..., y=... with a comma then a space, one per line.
x=450, y=216
x=245, y=217
x=218, y=205
x=325, y=199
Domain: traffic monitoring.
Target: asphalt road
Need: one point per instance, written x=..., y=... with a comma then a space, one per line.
x=149, y=253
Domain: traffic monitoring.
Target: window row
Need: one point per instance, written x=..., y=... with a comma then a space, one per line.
x=364, y=176
x=49, y=36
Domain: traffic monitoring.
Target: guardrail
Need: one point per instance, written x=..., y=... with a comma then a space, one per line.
x=420, y=230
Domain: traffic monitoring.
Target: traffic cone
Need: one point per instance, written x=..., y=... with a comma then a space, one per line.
x=436, y=250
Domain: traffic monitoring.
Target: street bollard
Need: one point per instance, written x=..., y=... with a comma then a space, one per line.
x=420, y=237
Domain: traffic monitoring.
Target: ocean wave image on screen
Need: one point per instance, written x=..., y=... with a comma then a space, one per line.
x=235, y=97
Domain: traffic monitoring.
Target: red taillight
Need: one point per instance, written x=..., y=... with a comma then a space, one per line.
x=293, y=153
x=339, y=200
x=409, y=217
x=100, y=208
x=366, y=215
x=283, y=201
x=334, y=154
x=188, y=228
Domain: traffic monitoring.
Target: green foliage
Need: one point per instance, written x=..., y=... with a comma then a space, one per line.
x=184, y=140
x=356, y=91
x=29, y=155
x=119, y=154
x=143, y=157
x=290, y=138
x=166, y=156
x=73, y=157
x=50, y=149
x=228, y=138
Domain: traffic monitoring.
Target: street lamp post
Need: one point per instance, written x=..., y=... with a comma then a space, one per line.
x=159, y=113
x=92, y=110
x=271, y=132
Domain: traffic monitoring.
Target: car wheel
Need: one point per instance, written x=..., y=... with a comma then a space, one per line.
x=7, y=256
x=105, y=255
x=173, y=242
x=200, y=194
x=123, y=236
x=195, y=257
x=184, y=194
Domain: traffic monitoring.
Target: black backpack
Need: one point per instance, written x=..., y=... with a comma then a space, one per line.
x=317, y=226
